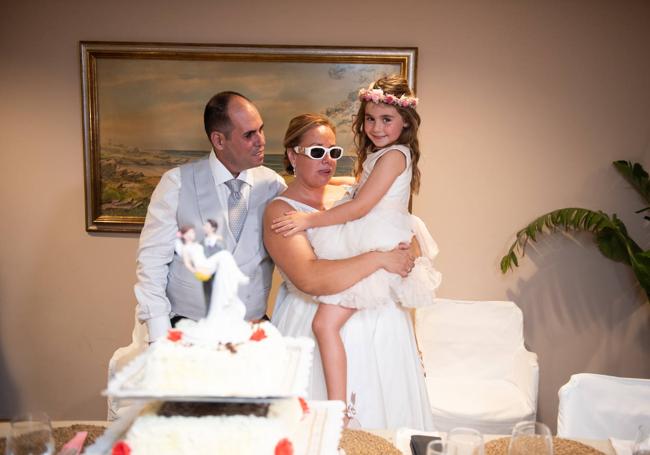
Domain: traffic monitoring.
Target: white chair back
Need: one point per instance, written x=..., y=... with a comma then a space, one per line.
x=596, y=406
x=478, y=371
x=468, y=338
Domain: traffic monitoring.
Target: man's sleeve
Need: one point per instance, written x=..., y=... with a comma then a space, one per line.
x=279, y=184
x=155, y=252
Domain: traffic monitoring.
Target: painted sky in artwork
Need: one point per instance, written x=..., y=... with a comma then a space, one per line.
x=158, y=104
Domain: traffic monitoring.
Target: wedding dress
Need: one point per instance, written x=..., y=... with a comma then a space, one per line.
x=385, y=378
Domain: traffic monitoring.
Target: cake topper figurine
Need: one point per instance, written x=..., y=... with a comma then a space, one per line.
x=224, y=322
x=194, y=255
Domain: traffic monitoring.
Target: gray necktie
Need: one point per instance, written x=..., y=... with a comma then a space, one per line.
x=236, y=207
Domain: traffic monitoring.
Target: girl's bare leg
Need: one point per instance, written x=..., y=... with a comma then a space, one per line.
x=326, y=326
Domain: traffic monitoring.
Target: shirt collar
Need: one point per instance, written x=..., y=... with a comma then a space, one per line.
x=222, y=175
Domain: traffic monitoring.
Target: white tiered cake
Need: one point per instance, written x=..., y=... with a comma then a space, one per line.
x=222, y=386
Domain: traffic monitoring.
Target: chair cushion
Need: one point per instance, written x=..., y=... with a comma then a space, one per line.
x=472, y=400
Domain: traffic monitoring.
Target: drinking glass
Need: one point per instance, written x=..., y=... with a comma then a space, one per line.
x=531, y=438
x=642, y=442
x=30, y=434
x=464, y=441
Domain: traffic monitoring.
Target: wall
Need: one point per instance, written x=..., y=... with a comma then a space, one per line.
x=525, y=104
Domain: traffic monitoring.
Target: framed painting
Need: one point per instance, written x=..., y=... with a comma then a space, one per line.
x=143, y=108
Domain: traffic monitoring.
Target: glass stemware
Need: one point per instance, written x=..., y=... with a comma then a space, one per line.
x=642, y=442
x=531, y=438
x=464, y=441
x=30, y=434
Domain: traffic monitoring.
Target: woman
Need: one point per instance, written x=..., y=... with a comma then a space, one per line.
x=385, y=382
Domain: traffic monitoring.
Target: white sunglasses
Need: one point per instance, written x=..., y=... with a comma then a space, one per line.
x=317, y=152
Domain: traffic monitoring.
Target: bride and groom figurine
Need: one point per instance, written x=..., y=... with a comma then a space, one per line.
x=216, y=267
x=196, y=255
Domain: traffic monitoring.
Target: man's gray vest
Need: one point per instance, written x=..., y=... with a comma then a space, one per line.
x=198, y=202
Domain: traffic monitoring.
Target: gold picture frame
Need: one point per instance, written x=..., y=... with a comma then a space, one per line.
x=143, y=107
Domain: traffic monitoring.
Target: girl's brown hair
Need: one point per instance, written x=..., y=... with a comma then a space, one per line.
x=397, y=86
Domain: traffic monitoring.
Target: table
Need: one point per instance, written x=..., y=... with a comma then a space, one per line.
x=4, y=426
x=600, y=444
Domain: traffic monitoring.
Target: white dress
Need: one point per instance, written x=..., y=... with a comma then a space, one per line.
x=384, y=370
x=196, y=254
x=386, y=225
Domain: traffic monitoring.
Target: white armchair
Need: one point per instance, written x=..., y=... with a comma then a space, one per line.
x=122, y=356
x=596, y=406
x=478, y=372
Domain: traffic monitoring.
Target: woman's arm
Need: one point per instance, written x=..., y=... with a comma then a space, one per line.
x=295, y=256
x=386, y=170
x=343, y=180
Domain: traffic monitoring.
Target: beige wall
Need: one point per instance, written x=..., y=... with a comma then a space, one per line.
x=524, y=103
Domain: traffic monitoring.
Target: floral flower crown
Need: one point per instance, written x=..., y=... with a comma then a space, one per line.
x=377, y=95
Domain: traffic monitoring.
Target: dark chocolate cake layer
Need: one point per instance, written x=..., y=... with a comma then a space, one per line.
x=202, y=409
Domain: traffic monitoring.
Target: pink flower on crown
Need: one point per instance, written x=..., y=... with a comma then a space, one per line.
x=376, y=95
x=408, y=101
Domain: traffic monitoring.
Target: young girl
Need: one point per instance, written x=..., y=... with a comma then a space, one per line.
x=376, y=218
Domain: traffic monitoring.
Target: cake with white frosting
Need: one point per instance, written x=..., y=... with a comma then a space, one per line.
x=222, y=385
x=264, y=364
x=221, y=355
x=172, y=428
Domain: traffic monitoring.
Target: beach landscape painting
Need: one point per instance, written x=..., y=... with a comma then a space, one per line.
x=143, y=108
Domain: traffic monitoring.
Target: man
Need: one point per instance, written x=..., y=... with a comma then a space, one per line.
x=230, y=187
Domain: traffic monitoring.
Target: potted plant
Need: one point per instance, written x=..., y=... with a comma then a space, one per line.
x=609, y=232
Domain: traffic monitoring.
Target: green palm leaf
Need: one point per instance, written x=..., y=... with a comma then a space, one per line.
x=567, y=219
x=641, y=268
x=636, y=176
x=610, y=233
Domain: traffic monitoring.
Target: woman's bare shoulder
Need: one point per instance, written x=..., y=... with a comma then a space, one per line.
x=276, y=207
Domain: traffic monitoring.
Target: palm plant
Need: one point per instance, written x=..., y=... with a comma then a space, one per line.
x=609, y=231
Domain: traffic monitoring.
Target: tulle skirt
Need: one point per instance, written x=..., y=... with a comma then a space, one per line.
x=380, y=230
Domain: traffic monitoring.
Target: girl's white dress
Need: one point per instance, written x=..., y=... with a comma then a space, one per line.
x=386, y=225
x=384, y=371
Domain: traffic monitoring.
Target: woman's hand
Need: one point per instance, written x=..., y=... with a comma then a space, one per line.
x=291, y=223
x=399, y=260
